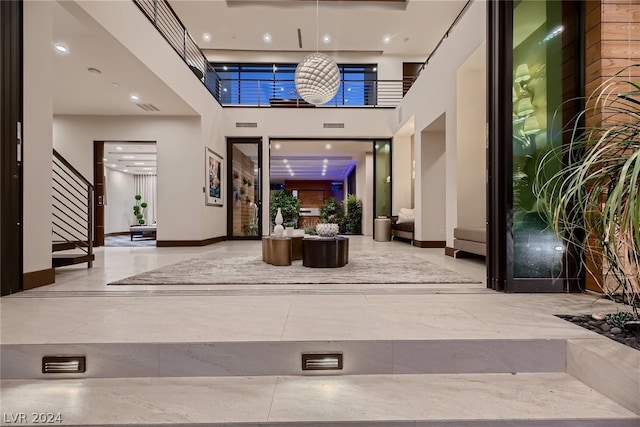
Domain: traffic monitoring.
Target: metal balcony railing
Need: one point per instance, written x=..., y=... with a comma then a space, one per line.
x=259, y=93
x=282, y=93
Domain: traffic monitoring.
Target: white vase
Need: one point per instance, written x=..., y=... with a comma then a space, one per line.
x=278, y=229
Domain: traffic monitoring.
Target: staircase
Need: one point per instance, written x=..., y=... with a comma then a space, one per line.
x=72, y=211
x=237, y=361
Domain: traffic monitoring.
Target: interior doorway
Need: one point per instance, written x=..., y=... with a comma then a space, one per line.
x=244, y=188
x=126, y=201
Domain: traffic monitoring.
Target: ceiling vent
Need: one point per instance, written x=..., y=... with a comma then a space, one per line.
x=148, y=107
x=246, y=124
x=334, y=125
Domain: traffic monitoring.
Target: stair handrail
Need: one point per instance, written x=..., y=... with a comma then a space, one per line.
x=89, y=204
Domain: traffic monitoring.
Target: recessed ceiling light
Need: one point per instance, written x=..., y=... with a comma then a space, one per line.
x=94, y=70
x=349, y=90
x=134, y=97
x=277, y=147
x=115, y=84
x=325, y=161
x=285, y=161
x=292, y=174
x=375, y=68
x=323, y=173
x=328, y=146
x=113, y=166
x=206, y=37
x=224, y=89
x=138, y=163
x=147, y=169
x=288, y=166
x=150, y=173
x=386, y=39
x=128, y=157
x=267, y=38
x=224, y=67
x=326, y=38
x=119, y=148
x=104, y=159
x=126, y=170
x=61, y=48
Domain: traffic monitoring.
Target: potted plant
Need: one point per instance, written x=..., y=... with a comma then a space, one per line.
x=353, y=217
x=593, y=202
x=138, y=209
x=332, y=212
x=288, y=204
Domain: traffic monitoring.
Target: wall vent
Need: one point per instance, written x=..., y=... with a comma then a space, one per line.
x=321, y=361
x=148, y=107
x=334, y=125
x=63, y=364
x=246, y=124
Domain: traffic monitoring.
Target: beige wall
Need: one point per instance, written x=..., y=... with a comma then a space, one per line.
x=402, y=180
x=37, y=135
x=431, y=193
x=471, y=146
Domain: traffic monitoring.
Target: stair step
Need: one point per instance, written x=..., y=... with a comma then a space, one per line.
x=61, y=260
x=63, y=246
x=207, y=359
x=527, y=400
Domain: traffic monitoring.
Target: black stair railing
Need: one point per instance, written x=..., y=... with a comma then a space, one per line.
x=72, y=225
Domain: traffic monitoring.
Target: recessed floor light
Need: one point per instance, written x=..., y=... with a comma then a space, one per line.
x=206, y=37
x=61, y=48
x=267, y=38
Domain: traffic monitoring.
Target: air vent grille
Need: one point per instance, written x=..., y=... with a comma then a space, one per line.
x=334, y=125
x=246, y=124
x=321, y=361
x=63, y=364
x=148, y=107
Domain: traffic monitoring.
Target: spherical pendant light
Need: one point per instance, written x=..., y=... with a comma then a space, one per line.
x=317, y=78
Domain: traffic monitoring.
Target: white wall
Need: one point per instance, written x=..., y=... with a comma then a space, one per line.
x=37, y=138
x=471, y=147
x=434, y=94
x=401, y=169
x=182, y=214
x=118, y=211
x=367, y=201
x=432, y=220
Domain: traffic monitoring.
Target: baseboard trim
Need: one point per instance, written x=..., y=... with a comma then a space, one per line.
x=449, y=251
x=35, y=279
x=118, y=233
x=431, y=244
x=182, y=243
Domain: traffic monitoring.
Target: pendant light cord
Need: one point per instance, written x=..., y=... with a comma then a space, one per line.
x=317, y=28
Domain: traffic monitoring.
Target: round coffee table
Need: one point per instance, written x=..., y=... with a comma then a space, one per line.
x=320, y=252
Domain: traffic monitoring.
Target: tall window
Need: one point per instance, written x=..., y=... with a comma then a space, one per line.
x=260, y=84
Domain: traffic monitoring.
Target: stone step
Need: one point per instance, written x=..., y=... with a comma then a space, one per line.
x=461, y=400
x=361, y=357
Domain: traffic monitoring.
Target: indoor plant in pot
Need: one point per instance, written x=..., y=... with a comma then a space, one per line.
x=593, y=203
x=138, y=209
x=288, y=204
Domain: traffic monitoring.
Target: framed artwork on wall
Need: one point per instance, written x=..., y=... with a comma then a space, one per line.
x=213, y=173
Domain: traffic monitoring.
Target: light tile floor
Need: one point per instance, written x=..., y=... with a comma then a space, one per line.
x=81, y=308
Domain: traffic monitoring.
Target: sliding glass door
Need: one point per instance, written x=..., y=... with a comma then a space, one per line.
x=244, y=202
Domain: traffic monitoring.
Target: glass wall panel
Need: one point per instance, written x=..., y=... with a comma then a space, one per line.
x=244, y=193
x=537, y=122
x=382, y=177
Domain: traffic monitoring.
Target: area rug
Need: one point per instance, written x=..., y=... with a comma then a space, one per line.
x=365, y=268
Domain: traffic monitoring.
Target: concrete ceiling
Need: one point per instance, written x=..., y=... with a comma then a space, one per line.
x=413, y=27
x=120, y=74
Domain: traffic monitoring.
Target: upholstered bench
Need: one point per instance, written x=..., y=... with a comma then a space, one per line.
x=471, y=240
